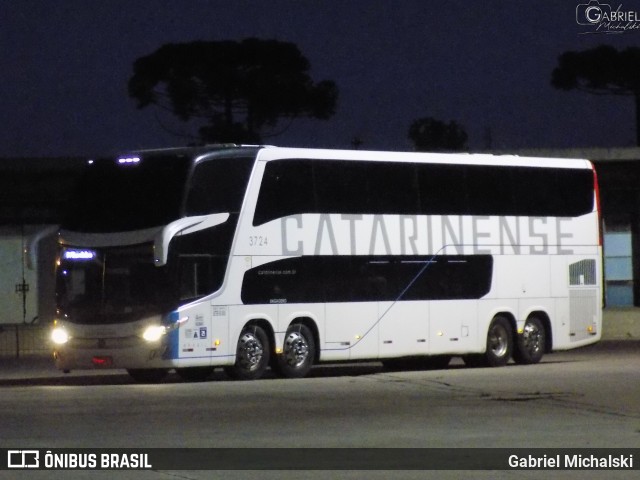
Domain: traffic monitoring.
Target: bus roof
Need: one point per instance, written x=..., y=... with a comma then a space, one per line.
x=280, y=153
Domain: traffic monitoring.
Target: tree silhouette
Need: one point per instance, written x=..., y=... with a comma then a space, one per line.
x=431, y=135
x=238, y=89
x=602, y=71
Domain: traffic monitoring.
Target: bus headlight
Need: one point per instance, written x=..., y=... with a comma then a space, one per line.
x=59, y=336
x=154, y=333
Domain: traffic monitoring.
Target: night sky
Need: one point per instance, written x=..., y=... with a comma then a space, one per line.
x=484, y=64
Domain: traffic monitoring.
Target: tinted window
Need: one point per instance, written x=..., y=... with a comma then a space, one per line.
x=218, y=185
x=332, y=186
x=287, y=189
x=200, y=258
x=114, y=285
x=526, y=191
x=361, y=187
x=311, y=279
x=328, y=186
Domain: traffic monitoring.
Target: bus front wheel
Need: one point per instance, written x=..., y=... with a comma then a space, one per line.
x=252, y=354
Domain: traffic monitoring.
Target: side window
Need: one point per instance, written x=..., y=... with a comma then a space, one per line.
x=443, y=189
x=292, y=187
x=197, y=275
x=343, y=278
x=554, y=192
x=218, y=185
x=366, y=187
x=287, y=189
x=574, y=191
x=200, y=259
x=393, y=189
x=489, y=190
x=496, y=190
x=341, y=187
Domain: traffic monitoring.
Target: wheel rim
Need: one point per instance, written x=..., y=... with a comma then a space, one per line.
x=499, y=341
x=250, y=351
x=296, y=349
x=532, y=338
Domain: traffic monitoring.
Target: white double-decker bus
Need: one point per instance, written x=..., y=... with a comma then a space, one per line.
x=247, y=257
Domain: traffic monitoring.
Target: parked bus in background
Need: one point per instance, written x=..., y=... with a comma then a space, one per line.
x=246, y=257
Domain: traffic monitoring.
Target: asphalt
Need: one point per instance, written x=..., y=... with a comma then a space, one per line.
x=40, y=367
x=34, y=369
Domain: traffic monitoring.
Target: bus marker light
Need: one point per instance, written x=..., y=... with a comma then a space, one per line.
x=129, y=160
x=217, y=343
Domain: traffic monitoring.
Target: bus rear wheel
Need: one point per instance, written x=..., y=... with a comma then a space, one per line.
x=531, y=342
x=499, y=346
x=252, y=354
x=499, y=342
x=298, y=352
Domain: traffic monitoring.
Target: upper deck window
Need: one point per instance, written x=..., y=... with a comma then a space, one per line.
x=296, y=186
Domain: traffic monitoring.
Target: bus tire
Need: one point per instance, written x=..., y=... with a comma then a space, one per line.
x=499, y=342
x=531, y=342
x=298, y=352
x=147, y=375
x=194, y=374
x=252, y=354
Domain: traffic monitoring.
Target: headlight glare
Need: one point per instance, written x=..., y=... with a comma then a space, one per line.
x=59, y=336
x=154, y=333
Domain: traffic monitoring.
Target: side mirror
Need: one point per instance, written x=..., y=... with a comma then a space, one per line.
x=182, y=226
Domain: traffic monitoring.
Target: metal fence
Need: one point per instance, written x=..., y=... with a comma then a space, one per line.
x=23, y=339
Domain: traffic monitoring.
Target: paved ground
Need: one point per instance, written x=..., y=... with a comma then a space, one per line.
x=585, y=398
x=42, y=366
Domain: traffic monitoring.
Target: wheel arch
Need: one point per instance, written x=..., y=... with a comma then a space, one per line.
x=311, y=324
x=546, y=323
x=266, y=326
x=509, y=316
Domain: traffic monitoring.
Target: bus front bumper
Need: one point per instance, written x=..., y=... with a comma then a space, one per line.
x=141, y=356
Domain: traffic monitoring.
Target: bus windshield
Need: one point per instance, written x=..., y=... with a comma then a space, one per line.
x=112, y=285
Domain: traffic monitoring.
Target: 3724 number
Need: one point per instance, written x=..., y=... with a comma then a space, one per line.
x=258, y=241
